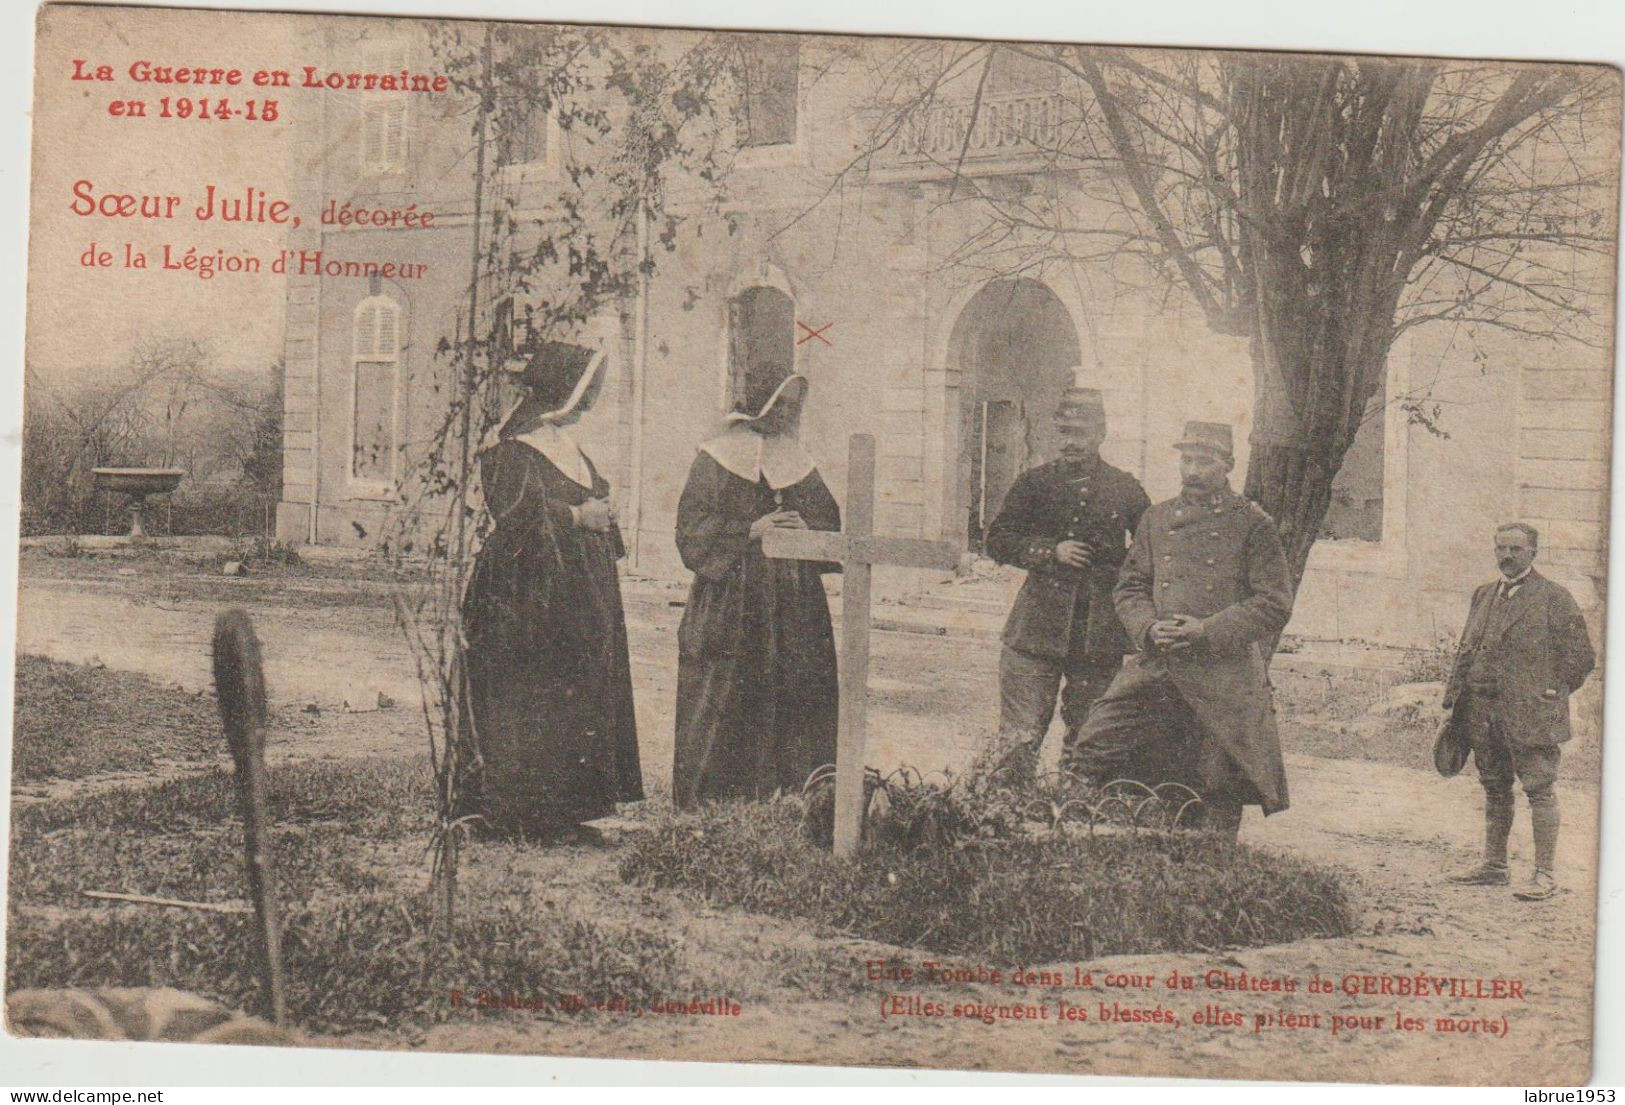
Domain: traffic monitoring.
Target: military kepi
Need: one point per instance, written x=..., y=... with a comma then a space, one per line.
x=1080, y=407
x=1212, y=436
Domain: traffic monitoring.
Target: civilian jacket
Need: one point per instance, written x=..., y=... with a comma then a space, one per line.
x=1524, y=655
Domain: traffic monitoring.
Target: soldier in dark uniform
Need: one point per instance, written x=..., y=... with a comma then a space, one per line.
x=1067, y=523
x=1523, y=652
x=1204, y=591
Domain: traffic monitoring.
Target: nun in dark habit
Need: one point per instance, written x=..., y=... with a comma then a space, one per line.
x=549, y=687
x=756, y=687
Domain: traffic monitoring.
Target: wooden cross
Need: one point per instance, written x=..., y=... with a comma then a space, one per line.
x=857, y=549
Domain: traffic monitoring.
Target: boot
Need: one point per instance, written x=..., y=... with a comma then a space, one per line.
x=1543, y=814
x=1018, y=767
x=1541, y=886
x=1492, y=871
x=1544, y=817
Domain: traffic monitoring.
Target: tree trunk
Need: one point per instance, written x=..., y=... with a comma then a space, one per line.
x=1307, y=413
x=1293, y=483
x=1313, y=145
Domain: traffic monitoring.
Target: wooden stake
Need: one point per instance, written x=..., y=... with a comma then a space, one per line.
x=172, y=903
x=239, y=683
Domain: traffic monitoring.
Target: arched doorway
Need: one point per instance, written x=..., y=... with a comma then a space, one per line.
x=1016, y=350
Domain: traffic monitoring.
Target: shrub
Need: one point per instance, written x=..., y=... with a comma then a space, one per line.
x=261, y=552
x=1025, y=898
x=1428, y=665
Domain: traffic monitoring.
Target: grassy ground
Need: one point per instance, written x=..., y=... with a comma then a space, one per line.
x=351, y=868
x=1021, y=899
x=73, y=720
x=540, y=922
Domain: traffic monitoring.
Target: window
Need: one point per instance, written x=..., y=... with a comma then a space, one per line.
x=770, y=80
x=1355, y=512
x=375, y=348
x=525, y=138
x=761, y=339
x=383, y=114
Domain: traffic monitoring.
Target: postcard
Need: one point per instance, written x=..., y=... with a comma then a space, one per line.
x=695, y=544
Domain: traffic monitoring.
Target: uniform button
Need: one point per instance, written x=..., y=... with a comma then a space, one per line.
x=1165, y=583
x=1215, y=533
x=1210, y=587
x=1167, y=556
x=1218, y=510
x=1210, y=562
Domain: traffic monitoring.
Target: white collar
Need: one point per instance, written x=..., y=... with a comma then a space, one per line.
x=752, y=456
x=556, y=444
x=1507, y=583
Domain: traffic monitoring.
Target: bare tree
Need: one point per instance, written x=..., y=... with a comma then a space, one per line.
x=1317, y=206
x=167, y=405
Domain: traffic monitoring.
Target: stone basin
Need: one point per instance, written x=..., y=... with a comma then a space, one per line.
x=137, y=481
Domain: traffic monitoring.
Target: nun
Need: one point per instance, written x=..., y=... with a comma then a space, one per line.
x=548, y=699
x=757, y=697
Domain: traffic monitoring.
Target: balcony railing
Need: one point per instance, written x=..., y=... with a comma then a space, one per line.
x=1006, y=126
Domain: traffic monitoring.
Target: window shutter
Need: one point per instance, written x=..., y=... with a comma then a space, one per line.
x=384, y=114
x=375, y=345
x=366, y=329
x=377, y=329
x=772, y=83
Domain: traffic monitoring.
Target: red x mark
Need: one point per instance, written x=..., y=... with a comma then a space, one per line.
x=811, y=333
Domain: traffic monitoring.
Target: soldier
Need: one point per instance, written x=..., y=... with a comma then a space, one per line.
x=1523, y=652
x=1067, y=523
x=1204, y=591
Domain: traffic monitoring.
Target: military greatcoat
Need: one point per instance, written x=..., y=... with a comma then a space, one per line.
x=1215, y=556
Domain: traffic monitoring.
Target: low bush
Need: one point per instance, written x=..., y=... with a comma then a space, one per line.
x=1029, y=899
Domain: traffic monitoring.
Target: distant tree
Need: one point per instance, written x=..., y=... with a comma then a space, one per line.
x=166, y=405
x=262, y=464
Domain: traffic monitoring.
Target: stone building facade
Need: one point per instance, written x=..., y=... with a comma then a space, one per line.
x=865, y=288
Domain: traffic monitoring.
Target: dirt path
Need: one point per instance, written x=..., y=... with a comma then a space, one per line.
x=331, y=643
x=803, y=995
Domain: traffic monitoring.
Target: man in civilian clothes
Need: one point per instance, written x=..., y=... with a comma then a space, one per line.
x=1523, y=652
x=1067, y=523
